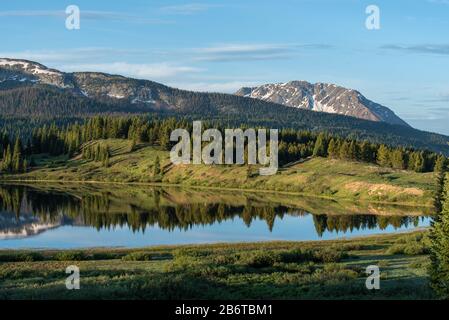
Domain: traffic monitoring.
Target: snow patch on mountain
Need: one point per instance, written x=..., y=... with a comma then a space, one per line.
x=322, y=97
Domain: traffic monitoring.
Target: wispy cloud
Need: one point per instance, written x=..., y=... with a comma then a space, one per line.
x=228, y=87
x=245, y=52
x=443, y=97
x=438, y=1
x=32, y=13
x=188, y=9
x=108, y=60
x=442, y=49
x=156, y=71
x=71, y=55
x=85, y=14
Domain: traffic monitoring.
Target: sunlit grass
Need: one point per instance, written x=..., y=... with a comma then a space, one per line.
x=277, y=270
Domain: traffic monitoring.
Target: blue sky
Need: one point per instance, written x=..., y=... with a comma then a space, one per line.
x=223, y=45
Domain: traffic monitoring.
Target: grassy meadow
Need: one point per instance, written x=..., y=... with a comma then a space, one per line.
x=272, y=270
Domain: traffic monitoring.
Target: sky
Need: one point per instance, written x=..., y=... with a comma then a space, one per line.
x=226, y=44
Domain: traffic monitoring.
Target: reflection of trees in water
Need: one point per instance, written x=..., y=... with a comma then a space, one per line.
x=103, y=210
x=344, y=223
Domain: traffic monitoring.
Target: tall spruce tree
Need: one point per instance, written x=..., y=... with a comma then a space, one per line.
x=333, y=149
x=439, y=251
x=440, y=163
x=420, y=162
x=7, y=159
x=345, y=152
x=397, y=159
x=366, y=153
x=320, y=149
x=157, y=166
x=383, y=156
x=353, y=150
x=17, y=156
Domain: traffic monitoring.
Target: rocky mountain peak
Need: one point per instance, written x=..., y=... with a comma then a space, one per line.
x=323, y=97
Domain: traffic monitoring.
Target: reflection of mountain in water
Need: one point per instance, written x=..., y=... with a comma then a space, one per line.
x=22, y=227
x=31, y=210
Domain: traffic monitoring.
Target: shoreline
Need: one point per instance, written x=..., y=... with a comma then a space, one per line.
x=223, y=244
x=155, y=184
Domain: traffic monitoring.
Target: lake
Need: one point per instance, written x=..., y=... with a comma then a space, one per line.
x=118, y=215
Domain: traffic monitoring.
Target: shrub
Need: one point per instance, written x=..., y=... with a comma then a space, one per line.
x=396, y=249
x=416, y=249
x=31, y=256
x=352, y=247
x=70, y=256
x=409, y=248
x=22, y=257
x=225, y=259
x=137, y=256
x=328, y=255
x=195, y=253
x=261, y=259
x=296, y=255
x=105, y=256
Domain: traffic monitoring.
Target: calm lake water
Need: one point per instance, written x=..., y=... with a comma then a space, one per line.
x=86, y=215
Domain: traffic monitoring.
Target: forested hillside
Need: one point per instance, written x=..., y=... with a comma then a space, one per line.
x=294, y=145
x=36, y=105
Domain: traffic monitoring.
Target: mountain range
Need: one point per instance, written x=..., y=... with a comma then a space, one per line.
x=322, y=97
x=29, y=90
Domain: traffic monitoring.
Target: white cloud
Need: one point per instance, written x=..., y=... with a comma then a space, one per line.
x=187, y=9
x=32, y=13
x=439, y=1
x=69, y=55
x=245, y=52
x=442, y=49
x=85, y=14
x=144, y=70
x=227, y=87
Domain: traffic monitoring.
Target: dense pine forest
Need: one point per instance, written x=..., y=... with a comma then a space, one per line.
x=40, y=104
x=70, y=139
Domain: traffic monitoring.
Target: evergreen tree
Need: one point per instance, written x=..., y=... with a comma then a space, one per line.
x=440, y=164
x=17, y=156
x=345, y=152
x=353, y=151
x=366, y=152
x=320, y=149
x=397, y=159
x=438, y=200
x=420, y=162
x=157, y=166
x=333, y=149
x=164, y=140
x=25, y=165
x=133, y=145
x=97, y=152
x=439, y=251
x=7, y=159
x=383, y=156
x=106, y=160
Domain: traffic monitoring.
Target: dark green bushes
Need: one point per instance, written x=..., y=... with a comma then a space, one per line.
x=137, y=256
x=261, y=259
x=70, y=256
x=22, y=257
x=411, y=245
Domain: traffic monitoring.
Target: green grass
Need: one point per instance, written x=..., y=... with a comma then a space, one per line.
x=335, y=179
x=272, y=270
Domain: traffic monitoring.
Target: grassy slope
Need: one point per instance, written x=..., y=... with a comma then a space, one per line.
x=318, y=177
x=233, y=271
